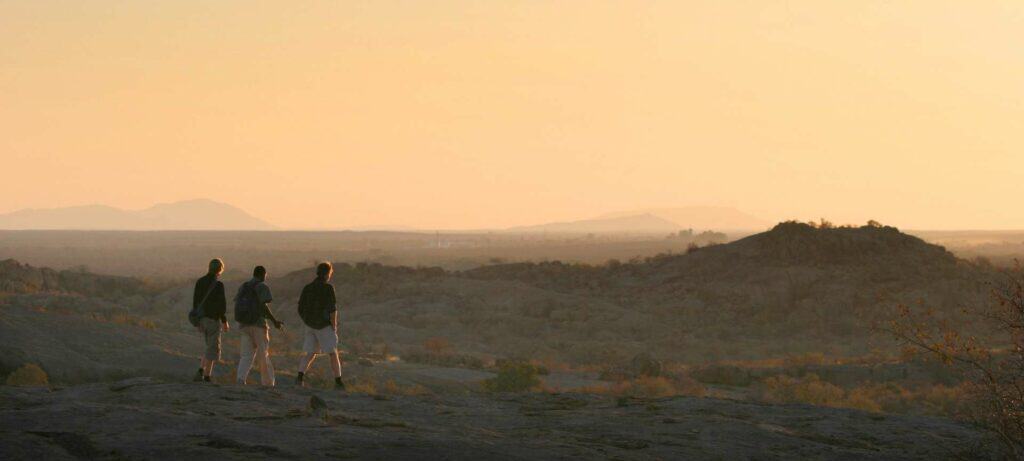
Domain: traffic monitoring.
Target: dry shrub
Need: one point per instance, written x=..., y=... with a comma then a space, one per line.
x=362, y=387
x=990, y=363
x=934, y=399
x=389, y=387
x=807, y=389
x=437, y=345
x=648, y=387
x=514, y=377
x=28, y=375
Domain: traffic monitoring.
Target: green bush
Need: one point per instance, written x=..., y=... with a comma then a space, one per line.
x=514, y=377
x=28, y=375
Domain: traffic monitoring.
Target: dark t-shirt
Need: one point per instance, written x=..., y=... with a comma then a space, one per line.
x=216, y=304
x=316, y=304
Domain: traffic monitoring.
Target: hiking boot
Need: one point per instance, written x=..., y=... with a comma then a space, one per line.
x=199, y=376
x=339, y=386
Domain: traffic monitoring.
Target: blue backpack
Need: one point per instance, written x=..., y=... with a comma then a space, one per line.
x=247, y=304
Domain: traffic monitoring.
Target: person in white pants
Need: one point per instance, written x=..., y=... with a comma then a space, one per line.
x=255, y=347
x=319, y=311
x=255, y=342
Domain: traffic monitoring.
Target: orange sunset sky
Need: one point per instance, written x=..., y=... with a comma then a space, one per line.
x=473, y=114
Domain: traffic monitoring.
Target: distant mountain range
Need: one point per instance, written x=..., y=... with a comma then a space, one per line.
x=198, y=214
x=655, y=221
x=203, y=214
x=645, y=223
x=702, y=218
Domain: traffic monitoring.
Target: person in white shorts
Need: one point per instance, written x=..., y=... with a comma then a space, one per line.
x=319, y=312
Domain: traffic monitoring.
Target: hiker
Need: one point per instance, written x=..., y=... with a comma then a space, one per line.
x=319, y=311
x=208, y=316
x=252, y=310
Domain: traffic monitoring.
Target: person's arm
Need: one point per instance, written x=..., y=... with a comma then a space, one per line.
x=302, y=299
x=196, y=295
x=222, y=304
x=270, y=315
x=332, y=307
x=195, y=301
x=220, y=300
x=265, y=299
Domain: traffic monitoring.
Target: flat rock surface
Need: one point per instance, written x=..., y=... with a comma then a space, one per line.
x=151, y=419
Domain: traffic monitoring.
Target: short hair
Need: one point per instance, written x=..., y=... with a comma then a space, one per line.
x=216, y=266
x=323, y=269
x=259, y=271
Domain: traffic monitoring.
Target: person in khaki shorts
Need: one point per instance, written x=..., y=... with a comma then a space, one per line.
x=319, y=312
x=208, y=299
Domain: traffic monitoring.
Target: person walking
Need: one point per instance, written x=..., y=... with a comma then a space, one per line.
x=209, y=309
x=319, y=312
x=252, y=310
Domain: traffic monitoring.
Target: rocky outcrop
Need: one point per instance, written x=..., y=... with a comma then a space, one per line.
x=147, y=419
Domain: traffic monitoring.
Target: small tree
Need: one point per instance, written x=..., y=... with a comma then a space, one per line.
x=993, y=373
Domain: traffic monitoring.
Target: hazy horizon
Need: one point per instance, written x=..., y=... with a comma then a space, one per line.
x=473, y=115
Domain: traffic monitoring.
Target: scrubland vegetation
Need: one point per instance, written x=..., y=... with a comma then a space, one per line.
x=790, y=316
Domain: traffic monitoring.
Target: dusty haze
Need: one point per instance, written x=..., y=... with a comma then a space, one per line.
x=466, y=114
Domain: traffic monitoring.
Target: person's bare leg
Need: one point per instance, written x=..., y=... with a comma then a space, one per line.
x=306, y=361
x=202, y=369
x=208, y=367
x=336, y=364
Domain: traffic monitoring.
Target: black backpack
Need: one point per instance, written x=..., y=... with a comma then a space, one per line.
x=311, y=306
x=247, y=304
x=195, y=315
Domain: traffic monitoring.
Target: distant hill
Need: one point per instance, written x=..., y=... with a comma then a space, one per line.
x=793, y=289
x=643, y=223
x=198, y=214
x=701, y=218
x=381, y=228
